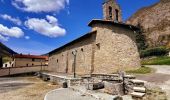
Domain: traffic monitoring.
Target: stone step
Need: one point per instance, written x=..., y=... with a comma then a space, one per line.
x=130, y=76
x=139, y=89
x=138, y=94
x=135, y=81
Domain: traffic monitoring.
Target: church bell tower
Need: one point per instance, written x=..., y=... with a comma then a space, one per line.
x=112, y=11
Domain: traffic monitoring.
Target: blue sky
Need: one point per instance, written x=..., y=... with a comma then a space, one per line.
x=39, y=26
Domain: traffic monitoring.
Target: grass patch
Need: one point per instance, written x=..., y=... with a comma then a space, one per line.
x=157, y=61
x=142, y=70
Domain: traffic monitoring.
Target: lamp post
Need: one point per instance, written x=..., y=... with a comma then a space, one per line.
x=74, y=52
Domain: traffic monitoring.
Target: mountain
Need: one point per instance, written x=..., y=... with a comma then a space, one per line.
x=154, y=22
x=5, y=51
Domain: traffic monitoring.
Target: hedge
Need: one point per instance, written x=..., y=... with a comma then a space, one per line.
x=158, y=51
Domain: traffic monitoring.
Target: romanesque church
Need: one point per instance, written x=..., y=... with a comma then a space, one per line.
x=109, y=47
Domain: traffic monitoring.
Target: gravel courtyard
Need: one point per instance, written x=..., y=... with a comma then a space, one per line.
x=160, y=78
x=24, y=88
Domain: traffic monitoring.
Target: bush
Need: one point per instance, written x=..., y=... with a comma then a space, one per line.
x=158, y=51
x=142, y=70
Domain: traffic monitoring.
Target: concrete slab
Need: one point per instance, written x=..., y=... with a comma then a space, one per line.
x=66, y=94
x=95, y=94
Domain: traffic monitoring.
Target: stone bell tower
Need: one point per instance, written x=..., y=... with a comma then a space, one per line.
x=111, y=11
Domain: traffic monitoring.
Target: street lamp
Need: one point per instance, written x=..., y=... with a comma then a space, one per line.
x=74, y=52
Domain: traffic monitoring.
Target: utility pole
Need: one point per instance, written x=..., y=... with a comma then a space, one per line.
x=74, y=52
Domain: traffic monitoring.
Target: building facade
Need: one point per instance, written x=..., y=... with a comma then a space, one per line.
x=108, y=48
x=21, y=60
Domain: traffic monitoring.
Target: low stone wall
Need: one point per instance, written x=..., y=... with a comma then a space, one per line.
x=57, y=79
x=20, y=70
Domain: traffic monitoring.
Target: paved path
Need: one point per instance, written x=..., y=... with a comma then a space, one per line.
x=160, y=78
x=162, y=69
x=66, y=94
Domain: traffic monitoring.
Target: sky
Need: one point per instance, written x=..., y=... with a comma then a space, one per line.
x=39, y=26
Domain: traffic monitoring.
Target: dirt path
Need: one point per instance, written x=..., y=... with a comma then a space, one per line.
x=24, y=88
x=160, y=78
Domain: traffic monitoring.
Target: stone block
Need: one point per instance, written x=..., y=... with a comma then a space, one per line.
x=113, y=88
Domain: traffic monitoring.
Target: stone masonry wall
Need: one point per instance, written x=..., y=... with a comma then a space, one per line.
x=117, y=49
x=62, y=61
x=114, y=5
x=20, y=70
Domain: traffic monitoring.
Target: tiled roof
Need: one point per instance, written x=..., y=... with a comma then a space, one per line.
x=120, y=24
x=30, y=56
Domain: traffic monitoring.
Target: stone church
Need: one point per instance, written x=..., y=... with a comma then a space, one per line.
x=108, y=48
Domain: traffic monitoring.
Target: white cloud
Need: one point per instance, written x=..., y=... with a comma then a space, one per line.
x=52, y=19
x=3, y=38
x=14, y=20
x=6, y=32
x=27, y=37
x=40, y=5
x=48, y=27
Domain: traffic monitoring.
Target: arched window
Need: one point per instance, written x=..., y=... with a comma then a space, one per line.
x=117, y=14
x=110, y=12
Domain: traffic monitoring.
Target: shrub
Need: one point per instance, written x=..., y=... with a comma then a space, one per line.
x=158, y=51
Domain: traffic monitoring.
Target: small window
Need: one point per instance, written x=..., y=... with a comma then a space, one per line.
x=117, y=14
x=33, y=59
x=32, y=64
x=110, y=12
x=27, y=65
x=57, y=60
x=98, y=46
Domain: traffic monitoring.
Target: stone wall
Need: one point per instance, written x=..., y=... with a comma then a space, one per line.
x=62, y=61
x=115, y=6
x=20, y=70
x=117, y=49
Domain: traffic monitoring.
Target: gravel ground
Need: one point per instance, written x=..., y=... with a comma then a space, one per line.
x=24, y=88
x=160, y=78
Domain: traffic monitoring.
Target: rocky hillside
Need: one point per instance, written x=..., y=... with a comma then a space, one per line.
x=155, y=23
x=5, y=51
